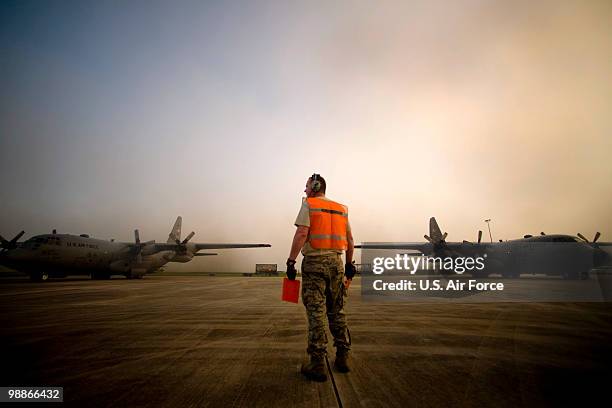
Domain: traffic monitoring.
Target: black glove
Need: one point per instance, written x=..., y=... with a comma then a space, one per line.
x=350, y=270
x=291, y=272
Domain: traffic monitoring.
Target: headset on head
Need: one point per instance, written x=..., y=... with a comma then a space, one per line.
x=315, y=185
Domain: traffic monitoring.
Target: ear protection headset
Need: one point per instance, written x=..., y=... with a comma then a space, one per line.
x=315, y=186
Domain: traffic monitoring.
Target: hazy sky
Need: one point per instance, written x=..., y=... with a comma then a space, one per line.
x=123, y=114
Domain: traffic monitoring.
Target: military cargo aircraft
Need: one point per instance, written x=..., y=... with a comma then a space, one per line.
x=571, y=257
x=59, y=255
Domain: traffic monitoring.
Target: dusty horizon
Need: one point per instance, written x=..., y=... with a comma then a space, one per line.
x=116, y=117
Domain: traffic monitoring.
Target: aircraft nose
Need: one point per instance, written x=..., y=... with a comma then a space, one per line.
x=7, y=257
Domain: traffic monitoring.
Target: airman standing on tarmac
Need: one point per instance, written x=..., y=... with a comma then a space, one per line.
x=323, y=232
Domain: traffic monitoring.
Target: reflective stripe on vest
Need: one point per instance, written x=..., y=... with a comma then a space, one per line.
x=328, y=221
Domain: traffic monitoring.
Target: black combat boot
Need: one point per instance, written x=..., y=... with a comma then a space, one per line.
x=341, y=362
x=315, y=370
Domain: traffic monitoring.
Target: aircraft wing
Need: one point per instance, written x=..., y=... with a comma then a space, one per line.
x=417, y=246
x=175, y=247
x=225, y=246
x=426, y=247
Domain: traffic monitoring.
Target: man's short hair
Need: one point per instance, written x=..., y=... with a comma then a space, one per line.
x=321, y=180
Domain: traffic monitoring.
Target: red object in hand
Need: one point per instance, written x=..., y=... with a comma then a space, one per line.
x=291, y=290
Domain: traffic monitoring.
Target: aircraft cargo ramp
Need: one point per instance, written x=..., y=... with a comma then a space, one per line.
x=228, y=341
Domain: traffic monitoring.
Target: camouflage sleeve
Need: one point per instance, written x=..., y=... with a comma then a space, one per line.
x=303, y=217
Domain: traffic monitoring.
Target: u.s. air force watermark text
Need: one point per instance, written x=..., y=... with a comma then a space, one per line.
x=409, y=264
x=436, y=285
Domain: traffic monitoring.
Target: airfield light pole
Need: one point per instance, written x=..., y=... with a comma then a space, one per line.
x=488, y=221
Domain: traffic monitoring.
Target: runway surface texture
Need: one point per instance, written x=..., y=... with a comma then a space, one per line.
x=229, y=341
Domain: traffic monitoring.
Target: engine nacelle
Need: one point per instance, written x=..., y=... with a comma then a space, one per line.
x=121, y=266
x=182, y=258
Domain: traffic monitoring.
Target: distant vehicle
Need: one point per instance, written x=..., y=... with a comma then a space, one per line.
x=571, y=257
x=266, y=269
x=59, y=255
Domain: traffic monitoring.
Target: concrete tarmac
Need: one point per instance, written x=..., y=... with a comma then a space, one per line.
x=229, y=341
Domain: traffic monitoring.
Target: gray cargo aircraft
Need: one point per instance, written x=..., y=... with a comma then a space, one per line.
x=572, y=257
x=59, y=255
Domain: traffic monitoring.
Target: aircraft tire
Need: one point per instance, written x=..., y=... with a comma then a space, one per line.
x=39, y=276
x=584, y=275
x=100, y=275
x=571, y=275
x=510, y=274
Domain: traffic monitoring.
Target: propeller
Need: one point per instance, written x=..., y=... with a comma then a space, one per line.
x=479, y=238
x=138, y=247
x=595, y=238
x=187, y=238
x=12, y=244
x=183, y=244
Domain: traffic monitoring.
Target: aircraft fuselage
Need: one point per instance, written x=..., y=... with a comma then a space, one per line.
x=65, y=254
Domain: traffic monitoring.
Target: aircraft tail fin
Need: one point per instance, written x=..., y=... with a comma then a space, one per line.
x=435, y=234
x=175, y=234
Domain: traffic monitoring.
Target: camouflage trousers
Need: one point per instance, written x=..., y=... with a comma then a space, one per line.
x=323, y=293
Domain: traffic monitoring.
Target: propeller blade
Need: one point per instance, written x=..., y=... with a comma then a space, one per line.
x=597, y=235
x=479, y=236
x=12, y=243
x=14, y=240
x=188, y=237
x=582, y=237
x=137, y=236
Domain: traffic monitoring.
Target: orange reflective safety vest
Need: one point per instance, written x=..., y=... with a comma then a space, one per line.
x=328, y=221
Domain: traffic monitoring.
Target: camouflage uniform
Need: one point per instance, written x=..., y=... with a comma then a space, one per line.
x=323, y=292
